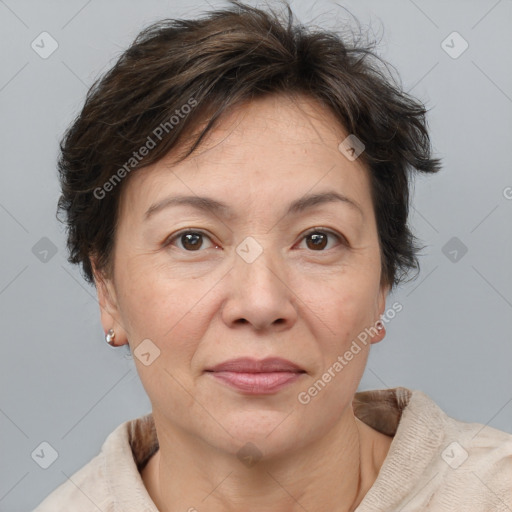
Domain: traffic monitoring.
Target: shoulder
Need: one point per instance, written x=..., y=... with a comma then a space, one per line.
x=110, y=480
x=84, y=491
x=470, y=464
x=462, y=443
x=435, y=462
x=476, y=463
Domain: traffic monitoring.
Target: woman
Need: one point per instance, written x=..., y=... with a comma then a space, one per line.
x=237, y=189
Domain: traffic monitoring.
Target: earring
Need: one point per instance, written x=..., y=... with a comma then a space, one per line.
x=380, y=325
x=110, y=337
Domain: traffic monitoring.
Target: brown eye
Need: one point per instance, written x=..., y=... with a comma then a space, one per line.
x=320, y=239
x=316, y=241
x=190, y=241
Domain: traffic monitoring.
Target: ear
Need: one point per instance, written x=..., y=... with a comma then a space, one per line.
x=109, y=308
x=379, y=334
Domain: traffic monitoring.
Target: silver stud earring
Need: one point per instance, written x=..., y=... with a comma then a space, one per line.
x=380, y=325
x=110, y=337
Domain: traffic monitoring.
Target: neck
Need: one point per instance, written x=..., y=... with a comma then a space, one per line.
x=333, y=473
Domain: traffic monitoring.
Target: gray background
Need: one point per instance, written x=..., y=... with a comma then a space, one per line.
x=61, y=383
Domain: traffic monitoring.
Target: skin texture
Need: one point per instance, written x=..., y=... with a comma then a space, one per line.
x=205, y=306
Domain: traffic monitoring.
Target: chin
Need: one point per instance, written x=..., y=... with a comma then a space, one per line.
x=269, y=432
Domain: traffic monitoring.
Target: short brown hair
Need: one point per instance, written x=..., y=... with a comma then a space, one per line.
x=215, y=63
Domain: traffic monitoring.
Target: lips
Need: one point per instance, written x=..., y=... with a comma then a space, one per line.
x=249, y=365
x=256, y=377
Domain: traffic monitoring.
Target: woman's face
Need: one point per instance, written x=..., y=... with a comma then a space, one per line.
x=268, y=272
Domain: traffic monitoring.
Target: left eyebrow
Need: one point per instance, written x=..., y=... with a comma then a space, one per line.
x=312, y=200
x=221, y=209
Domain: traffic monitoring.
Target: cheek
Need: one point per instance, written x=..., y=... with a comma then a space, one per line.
x=344, y=304
x=154, y=302
x=172, y=315
x=166, y=318
x=344, y=351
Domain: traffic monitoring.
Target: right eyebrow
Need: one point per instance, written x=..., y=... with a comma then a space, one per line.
x=201, y=203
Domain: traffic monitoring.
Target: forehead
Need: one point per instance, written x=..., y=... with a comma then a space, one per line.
x=297, y=121
x=273, y=144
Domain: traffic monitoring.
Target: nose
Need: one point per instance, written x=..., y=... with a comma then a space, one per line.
x=259, y=296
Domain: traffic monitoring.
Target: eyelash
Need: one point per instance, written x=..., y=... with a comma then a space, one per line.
x=340, y=238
